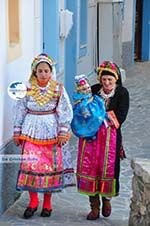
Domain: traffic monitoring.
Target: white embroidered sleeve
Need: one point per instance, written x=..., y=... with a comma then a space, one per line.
x=20, y=111
x=64, y=113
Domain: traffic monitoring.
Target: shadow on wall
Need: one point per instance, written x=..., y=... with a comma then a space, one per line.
x=8, y=171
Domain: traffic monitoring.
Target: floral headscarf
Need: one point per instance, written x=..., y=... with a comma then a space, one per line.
x=43, y=57
x=112, y=69
x=108, y=66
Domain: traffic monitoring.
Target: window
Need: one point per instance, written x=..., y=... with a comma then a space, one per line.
x=14, y=49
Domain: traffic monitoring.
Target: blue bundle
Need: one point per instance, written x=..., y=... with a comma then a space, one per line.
x=88, y=114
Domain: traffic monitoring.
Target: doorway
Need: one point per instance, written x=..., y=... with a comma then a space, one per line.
x=138, y=31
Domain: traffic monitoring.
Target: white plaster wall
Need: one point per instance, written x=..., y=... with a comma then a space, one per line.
x=105, y=32
x=38, y=26
x=19, y=69
x=128, y=21
x=2, y=65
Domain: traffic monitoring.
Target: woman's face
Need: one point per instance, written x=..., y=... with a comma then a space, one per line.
x=108, y=82
x=43, y=72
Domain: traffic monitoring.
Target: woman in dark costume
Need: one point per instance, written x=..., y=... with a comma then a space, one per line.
x=98, y=165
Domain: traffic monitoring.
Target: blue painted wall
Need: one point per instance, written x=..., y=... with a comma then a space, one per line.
x=71, y=50
x=146, y=30
x=51, y=28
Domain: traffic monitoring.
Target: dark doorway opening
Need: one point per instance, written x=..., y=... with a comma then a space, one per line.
x=138, y=31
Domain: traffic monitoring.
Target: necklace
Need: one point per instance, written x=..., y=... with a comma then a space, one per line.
x=105, y=96
x=42, y=95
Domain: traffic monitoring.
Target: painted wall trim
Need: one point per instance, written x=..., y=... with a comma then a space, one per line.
x=71, y=50
x=51, y=28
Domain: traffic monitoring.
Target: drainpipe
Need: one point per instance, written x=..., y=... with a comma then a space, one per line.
x=98, y=33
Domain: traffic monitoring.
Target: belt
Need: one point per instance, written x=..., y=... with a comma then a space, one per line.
x=41, y=112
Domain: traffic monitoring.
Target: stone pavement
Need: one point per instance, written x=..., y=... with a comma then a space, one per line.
x=69, y=207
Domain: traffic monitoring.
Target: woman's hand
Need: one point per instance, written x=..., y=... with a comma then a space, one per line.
x=16, y=140
x=122, y=154
x=61, y=141
x=110, y=123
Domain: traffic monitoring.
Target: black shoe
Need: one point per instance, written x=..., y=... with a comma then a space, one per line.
x=29, y=212
x=45, y=212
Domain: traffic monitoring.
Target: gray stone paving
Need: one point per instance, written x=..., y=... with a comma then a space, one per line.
x=69, y=207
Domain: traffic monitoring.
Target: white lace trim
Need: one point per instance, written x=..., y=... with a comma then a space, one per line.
x=107, y=96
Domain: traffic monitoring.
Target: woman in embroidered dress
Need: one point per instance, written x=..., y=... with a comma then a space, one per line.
x=41, y=127
x=98, y=165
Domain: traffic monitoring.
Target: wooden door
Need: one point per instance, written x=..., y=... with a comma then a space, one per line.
x=138, y=31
